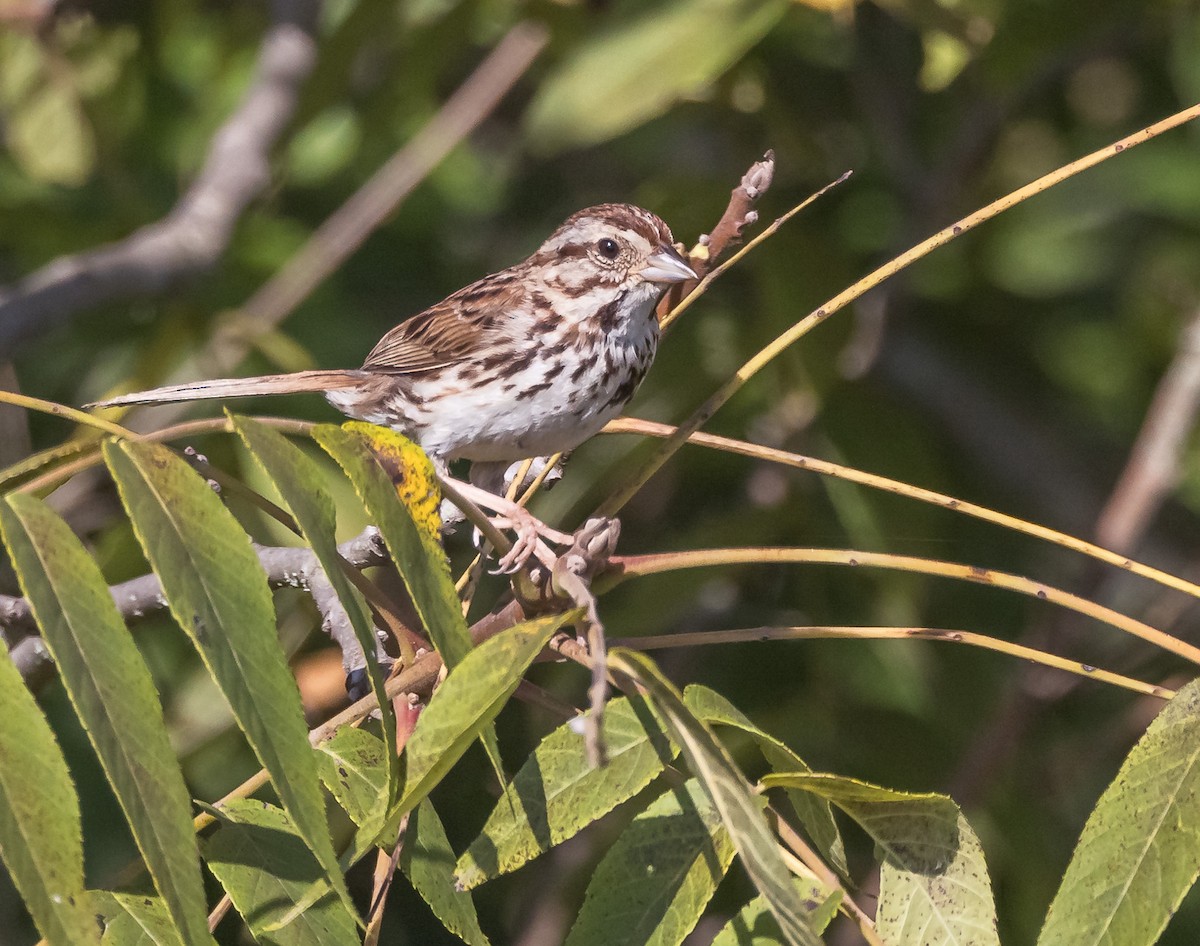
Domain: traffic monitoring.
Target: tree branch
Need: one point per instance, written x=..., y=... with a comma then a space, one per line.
x=365, y=211
x=1156, y=460
x=286, y=567
x=739, y=214
x=194, y=235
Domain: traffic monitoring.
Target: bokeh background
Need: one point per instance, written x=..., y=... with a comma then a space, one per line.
x=1014, y=367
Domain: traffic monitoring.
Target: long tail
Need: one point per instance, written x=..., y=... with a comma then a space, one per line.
x=295, y=383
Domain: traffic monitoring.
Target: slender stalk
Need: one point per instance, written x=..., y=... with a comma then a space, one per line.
x=67, y=413
x=750, y=634
x=54, y=477
x=634, y=481
x=710, y=277
x=640, y=565
x=631, y=425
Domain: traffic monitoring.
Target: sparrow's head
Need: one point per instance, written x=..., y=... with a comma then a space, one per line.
x=614, y=245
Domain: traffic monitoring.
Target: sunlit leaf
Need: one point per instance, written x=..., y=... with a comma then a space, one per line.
x=44, y=125
x=557, y=792
x=267, y=869
x=738, y=805
x=428, y=861
x=1138, y=854
x=469, y=699
x=114, y=695
x=409, y=527
x=217, y=592
x=354, y=767
x=303, y=492
x=814, y=813
x=933, y=881
x=40, y=840
x=134, y=919
x=755, y=924
x=655, y=881
x=324, y=146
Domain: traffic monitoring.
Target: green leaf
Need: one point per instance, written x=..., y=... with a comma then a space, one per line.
x=266, y=868
x=303, y=492
x=933, y=881
x=653, y=884
x=557, y=792
x=133, y=919
x=635, y=72
x=354, y=767
x=428, y=862
x=470, y=697
x=755, y=925
x=45, y=127
x=114, y=695
x=815, y=813
x=40, y=838
x=384, y=465
x=217, y=591
x=1138, y=853
x=733, y=797
x=421, y=562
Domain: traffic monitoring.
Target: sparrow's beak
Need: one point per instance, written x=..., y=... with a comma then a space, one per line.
x=666, y=265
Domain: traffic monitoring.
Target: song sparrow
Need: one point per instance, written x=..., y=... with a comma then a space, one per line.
x=529, y=361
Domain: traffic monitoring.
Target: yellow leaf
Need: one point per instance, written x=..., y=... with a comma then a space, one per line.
x=412, y=473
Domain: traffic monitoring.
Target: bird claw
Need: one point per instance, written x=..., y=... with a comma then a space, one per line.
x=530, y=532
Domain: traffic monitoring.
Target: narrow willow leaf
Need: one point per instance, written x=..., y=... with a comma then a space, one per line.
x=557, y=792
x=354, y=767
x=40, y=838
x=933, y=881
x=755, y=924
x=383, y=465
x=470, y=697
x=1138, y=853
x=428, y=862
x=267, y=869
x=133, y=919
x=653, y=884
x=217, y=592
x=628, y=75
x=405, y=526
x=815, y=813
x=43, y=459
x=734, y=799
x=114, y=695
x=303, y=492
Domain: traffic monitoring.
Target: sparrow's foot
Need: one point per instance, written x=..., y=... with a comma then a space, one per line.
x=532, y=534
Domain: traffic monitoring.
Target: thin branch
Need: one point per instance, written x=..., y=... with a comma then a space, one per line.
x=1154, y=464
x=649, y=428
x=197, y=231
x=813, y=632
x=286, y=567
x=633, y=481
x=625, y=567
x=350, y=225
x=739, y=214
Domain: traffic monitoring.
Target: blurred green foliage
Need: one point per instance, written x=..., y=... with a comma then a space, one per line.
x=1012, y=368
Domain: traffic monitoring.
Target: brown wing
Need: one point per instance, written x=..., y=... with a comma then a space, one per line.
x=453, y=331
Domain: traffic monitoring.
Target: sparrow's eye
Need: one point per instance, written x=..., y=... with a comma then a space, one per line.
x=608, y=248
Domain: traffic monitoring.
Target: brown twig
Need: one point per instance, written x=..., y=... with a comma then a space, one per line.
x=1154, y=463
x=350, y=225
x=739, y=214
x=192, y=237
x=286, y=566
